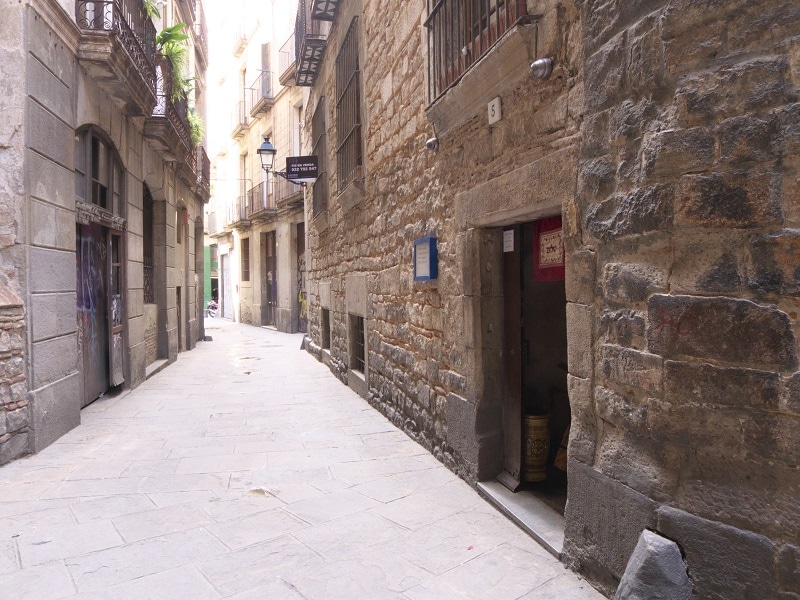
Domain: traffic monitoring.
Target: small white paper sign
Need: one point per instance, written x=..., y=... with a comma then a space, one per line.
x=508, y=240
x=423, y=260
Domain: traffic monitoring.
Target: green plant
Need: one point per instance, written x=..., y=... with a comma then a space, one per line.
x=170, y=43
x=196, y=127
x=150, y=9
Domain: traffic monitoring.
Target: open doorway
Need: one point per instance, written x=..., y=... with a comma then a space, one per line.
x=536, y=411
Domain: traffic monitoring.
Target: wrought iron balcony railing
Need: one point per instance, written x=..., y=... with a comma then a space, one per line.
x=460, y=33
x=287, y=56
x=310, y=41
x=112, y=29
x=201, y=33
x=261, y=98
x=168, y=126
x=203, y=173
x=240, y=118
x=261, y=200
x=237, y=213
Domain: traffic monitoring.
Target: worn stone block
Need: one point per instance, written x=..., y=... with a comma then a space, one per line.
x=622, y=410
x=655, y=571
x=722, y=329
x=16, y=446
x=44, y=44
x=775, y=267
x=580, y=280
x=724, y=562
x=791, y=395
x=49, y=91
x=645, y=72
x=17, y=419
x=678, y=151
x=583, y=428
x=633, y=458
x=603, y=522
x=579, y=340
x=53, y=315
x=708, y=384
x=597, y=179
x=628, y=367
x=749, y=139
x=608, y=67
x=51, y=226
x=51, y=271
x=749, y=494
x=356, y=294
x=54, y=359
x=753, y=86
x=632, y=283
x=638, y=212
x=708, y=261
x=50, y=136
x=56, y=409
x=729, y=200
x=623, y=327
x=788, y=568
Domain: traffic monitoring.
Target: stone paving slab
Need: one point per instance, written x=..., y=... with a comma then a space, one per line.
x=246, y=471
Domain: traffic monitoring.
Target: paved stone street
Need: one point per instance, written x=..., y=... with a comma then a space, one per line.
x=246, y=470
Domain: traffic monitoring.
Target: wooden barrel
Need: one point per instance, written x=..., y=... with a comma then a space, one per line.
x=537, y=447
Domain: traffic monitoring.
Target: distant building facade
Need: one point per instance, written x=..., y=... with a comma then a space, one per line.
x=610, y=248
x=256, y=225
x=102, y=197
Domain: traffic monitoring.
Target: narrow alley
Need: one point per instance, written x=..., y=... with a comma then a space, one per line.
x=246, y=470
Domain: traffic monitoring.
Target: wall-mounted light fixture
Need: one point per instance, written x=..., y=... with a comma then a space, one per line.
x=299, y=169
x=542, y=68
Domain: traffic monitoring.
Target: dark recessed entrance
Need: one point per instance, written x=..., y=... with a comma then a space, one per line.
x=536, y=412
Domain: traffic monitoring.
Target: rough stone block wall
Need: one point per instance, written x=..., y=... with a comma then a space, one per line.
x=14, y=410
x=688, y=196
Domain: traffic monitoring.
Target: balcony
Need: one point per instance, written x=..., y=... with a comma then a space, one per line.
x=324, y=10
x=261, y=202
x=237, y=214
x=201, y=34
x=287, y=57
x=240, y=119
x=261, y=98
x=310, y=42
x=203, y=174
x=117, y=48
x=167, y=127
x=287, y=194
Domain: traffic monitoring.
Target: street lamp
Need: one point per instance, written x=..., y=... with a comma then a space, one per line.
x=266, y=151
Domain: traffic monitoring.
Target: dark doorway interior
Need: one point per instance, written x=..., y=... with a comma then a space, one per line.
x=269, y=283
x=544, y=365
x=536, y=368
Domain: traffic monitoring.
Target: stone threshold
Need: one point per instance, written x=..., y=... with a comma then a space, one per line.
x=532, y=515
x=155, y=367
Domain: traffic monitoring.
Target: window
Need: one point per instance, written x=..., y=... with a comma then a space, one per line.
x=460, y=32
x=320, y=150
x=357, y=344
x=325, y=325
x=245, y=259
x=349, y=154
x=98, y=172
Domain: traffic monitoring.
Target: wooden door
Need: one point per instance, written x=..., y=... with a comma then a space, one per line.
x=512, y=353
x=269, y=286
x=92, y=305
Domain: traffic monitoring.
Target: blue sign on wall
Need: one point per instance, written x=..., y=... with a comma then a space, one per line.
x=426, y=259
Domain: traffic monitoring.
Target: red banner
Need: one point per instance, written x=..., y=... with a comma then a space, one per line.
x=548, y=250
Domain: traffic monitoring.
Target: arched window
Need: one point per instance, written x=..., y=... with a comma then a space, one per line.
x=98, y=171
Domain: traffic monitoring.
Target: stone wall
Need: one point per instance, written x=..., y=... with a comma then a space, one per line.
x=433, y=347
x=687, y=195
x=15, y=421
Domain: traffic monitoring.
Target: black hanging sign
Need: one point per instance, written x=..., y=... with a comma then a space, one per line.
x=301, y=169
